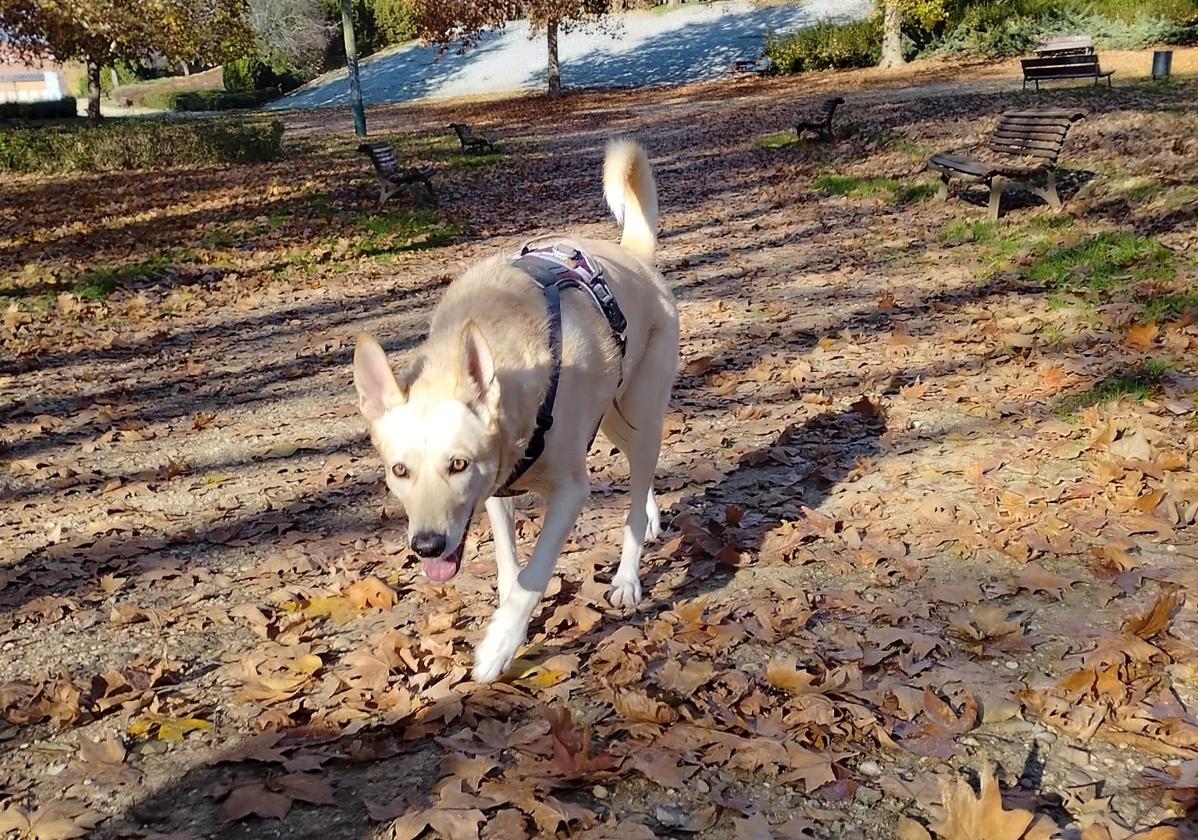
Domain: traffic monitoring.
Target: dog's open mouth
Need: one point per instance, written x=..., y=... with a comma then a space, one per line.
x=441, y=569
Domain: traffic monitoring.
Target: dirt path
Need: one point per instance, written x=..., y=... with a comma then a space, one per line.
x=930, y=482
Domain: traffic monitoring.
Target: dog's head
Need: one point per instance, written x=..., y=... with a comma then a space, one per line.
x=436, y=432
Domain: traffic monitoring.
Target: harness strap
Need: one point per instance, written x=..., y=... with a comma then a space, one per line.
x=552, y=270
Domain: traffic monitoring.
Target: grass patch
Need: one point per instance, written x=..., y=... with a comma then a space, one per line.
x=997, y=242
x=1138, y=188
x=887, y=140
x=404, y=230
x=475, y=161
x=851, y=186
x=1137, y=385
x=1169, y=307
x=1099, y=263
x=99, y=282
x=777, y=140
x=914, y=193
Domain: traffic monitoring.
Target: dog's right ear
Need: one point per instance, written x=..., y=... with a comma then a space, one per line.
x=377, y=388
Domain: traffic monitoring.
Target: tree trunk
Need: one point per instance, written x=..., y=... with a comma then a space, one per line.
x=93, y=91
x=555, y=70
x=892, y=34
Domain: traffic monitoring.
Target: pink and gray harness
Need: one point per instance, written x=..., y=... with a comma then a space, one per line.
x=554, y=268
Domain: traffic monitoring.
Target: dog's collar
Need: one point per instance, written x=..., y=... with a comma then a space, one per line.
x=554, y=267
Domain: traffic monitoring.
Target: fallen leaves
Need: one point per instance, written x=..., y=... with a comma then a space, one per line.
x=947, y=552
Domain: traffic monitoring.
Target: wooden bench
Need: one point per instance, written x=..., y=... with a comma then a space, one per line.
x=1051, y=67
x=1026, y=145
x=821, y=121
x=473, y=143
x=1067, y=45
x=393, y=178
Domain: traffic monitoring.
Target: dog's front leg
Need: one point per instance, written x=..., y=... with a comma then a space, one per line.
x=502, y=513
x=509, y=625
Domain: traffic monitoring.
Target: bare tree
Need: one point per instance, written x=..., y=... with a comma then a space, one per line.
x=294, y=29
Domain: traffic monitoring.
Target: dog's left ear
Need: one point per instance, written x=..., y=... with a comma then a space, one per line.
x=477, y=366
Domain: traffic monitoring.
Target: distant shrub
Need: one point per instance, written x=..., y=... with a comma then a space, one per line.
x=247, y=75
x=395, y=21
x=138, y=144
x=826, y=46
x=54, y=109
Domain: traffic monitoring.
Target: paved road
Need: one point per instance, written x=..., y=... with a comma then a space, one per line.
x=690, y=43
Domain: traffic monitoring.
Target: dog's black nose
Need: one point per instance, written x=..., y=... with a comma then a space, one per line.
x=428, y=544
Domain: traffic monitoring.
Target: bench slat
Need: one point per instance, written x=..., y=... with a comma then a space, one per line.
x=1047, y=113
x=1023, y=127
x=1037, y=132
x=1061, y=61
x=958, y=163
x=1046, y=141
x=1029, y=142
x=1018, y=151
x=1067, y=74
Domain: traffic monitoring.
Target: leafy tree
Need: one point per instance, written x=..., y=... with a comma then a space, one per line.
x=103, y=32
x=462, y=20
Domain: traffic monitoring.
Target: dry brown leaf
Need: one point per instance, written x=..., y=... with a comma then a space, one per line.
x=970, y=816
x=639, y=707
x=661, y=767
x=1157, y=619
x=1142, y=336
x=909, y=829
x=272, y=798
x=370, y=593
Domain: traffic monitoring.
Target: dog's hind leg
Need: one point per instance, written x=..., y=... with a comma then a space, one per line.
x=509, y=625
x=641, y=446
x=502, y=513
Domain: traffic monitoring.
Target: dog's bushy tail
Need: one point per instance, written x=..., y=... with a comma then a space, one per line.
x=631, y=194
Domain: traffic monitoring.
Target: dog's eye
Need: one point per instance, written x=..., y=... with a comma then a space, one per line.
x=458, y=465
x=399, y=471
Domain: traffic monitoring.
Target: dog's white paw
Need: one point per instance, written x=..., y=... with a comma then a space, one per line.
x=653, y=528
x=625, y=593
x=498, y=648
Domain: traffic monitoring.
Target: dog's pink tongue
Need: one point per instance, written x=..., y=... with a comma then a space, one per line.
x=443, y=569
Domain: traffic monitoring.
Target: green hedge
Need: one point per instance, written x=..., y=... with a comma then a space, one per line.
x=1018, y=34
x=827, y=46
x=138, y=144
x=55, y=109
x=209, y=100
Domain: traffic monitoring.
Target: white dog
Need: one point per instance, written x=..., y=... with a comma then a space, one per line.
x=527, y=356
